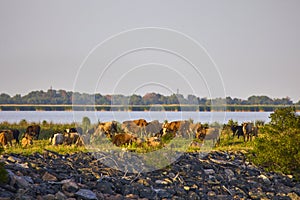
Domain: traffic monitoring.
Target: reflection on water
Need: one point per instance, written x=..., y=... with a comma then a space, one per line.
x=69, y=117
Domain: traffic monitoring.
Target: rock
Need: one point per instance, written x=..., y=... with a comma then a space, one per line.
x=187, y=188
x=265, y=179
x=60, y=196
x=293, y=196
x=86, y=194
x=70, y=186
x=211, y=194
x=49, y=177
x=193, y=195
x=161, y=182
x=164, y=194
x=229, y=173
x=22, y=182
x=209, y=171
x=14, y=159
x=48, y=197
x=105, y=187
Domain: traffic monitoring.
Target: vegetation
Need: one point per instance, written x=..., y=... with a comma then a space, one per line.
x=62, y=97
x=278, y=147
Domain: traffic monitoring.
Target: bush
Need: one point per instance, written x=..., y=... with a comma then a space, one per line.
x=278, y=149
x=3, y=172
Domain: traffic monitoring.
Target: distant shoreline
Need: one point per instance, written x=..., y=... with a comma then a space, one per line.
x=144, y=108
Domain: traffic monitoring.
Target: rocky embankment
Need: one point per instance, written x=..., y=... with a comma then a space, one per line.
x=216, y=175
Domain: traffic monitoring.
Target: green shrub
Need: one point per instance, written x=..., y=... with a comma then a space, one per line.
x=278, y=149
x=3, y=172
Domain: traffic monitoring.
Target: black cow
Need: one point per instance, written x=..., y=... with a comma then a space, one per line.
x=237, y=130
x=34, y=130
x=16, y=134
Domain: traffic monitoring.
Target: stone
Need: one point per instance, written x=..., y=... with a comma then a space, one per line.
x=70, y=186
x=209, y=171
x=161, y=182
x=193, y=195
x=22, y=182
x=86, y=194
x=105, y=187
x=60, y=196
x=265, y=179
x=14, y=159
x=48, y=197
x=49, y=177
x=229, y=173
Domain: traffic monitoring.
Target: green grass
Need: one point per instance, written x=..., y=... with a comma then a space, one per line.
x=39, y=146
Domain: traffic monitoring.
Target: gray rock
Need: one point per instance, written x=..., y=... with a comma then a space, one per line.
x=86, y=194
x=105, y=187
x=48, y=197
x=209, y=171
x=70, y=186
x=265, y=179
x=60, y=196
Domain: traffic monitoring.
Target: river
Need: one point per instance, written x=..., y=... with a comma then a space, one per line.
x=70, y=116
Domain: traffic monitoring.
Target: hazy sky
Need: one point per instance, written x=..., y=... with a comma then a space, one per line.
x=253, y=47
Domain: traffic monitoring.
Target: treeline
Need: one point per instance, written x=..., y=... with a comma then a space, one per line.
x=62, y=97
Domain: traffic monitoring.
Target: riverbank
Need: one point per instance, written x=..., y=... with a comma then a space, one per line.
x=214, y=175
x=154, y=107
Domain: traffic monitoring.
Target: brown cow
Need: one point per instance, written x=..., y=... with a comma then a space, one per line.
x=137, y=127
x=108, y=128
x=208, y=134
x=72, y=138
x=141, y=122
x=123, y=139
x=7, y=137
x=3, y=140
x=154, y=142
x=27, y=140
x=171, y=127
x=34, y=130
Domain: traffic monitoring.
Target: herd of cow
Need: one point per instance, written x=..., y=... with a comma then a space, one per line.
x=139, y=131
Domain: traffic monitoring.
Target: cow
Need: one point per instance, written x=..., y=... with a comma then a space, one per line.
x=27, y=140
x=136, y=127
x=6, y=137
x=123, y=139
x=171, y=128
x=72, y=138
x=209, y=134
x=140, y=122
x=237, y=130
x=34, y=130
x=108, y=128
x=3, y=140
x=57, y=139
x=10, y=135
x=249, y=130
x=153, y=142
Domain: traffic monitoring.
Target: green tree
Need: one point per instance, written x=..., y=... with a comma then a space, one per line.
x=284, y=118
x=86, y=124
x=279, y=147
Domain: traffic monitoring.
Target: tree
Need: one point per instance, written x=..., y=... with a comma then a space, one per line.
x=284, y=119
x=135, y=100
x=4, y=98
x=279, y=148
x=86, y=123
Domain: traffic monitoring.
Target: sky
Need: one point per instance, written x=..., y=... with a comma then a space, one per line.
x=206, y=48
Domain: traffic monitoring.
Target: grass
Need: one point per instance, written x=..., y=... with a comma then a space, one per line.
x=39, y=146
x=227, y=143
